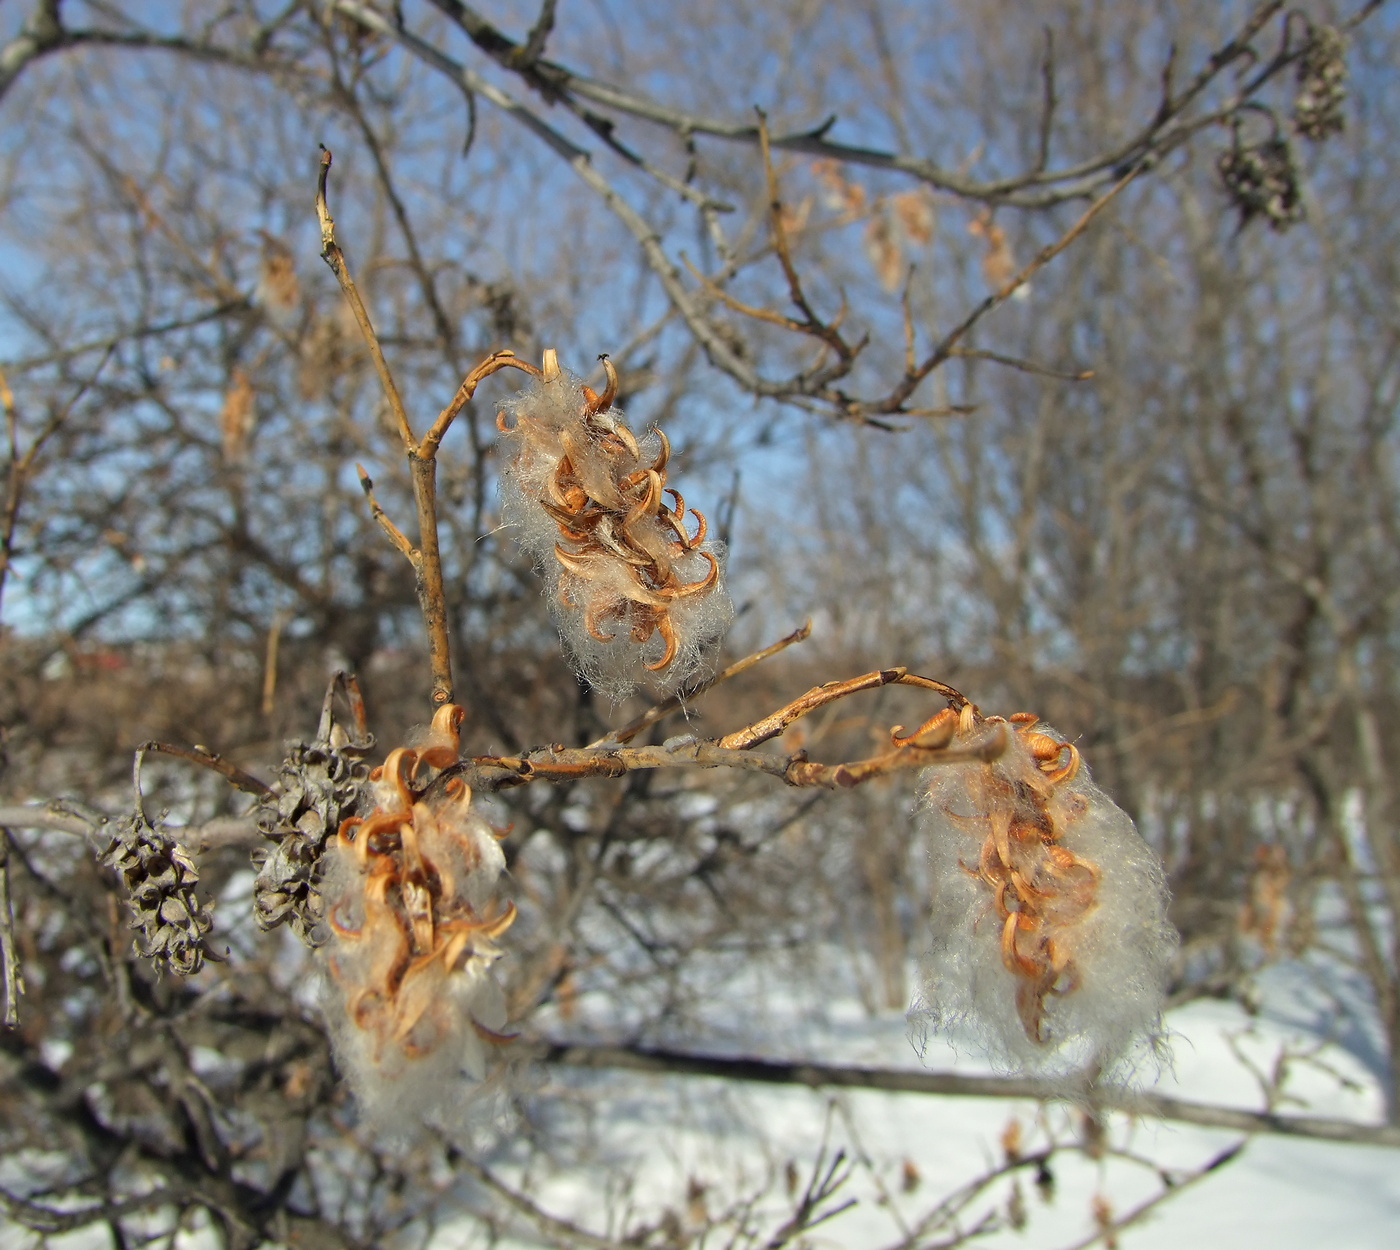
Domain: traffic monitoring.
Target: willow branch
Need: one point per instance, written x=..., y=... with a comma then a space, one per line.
x=949, y=344
x=425, y=559
x=1172, y=122
x=929, y=745
x=823, y=1076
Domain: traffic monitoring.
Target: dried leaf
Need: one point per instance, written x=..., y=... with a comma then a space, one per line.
x=236, y=420
x=914, y=212
x=839, y=195
x=278, y=288
x=998, y=264
x=884, y=251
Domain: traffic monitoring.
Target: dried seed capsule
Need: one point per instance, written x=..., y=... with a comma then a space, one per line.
x=634, y=584
x=413, y=917
x=319, y=785
x=1322, y=85
x=1262, y=181
x=1051, y=943
x=160, y=880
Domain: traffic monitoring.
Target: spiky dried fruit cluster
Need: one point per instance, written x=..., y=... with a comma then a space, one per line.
x=413, y=916
x=1262, y=181
x=1051, y=941
x=1322, y=84
x=319, y=786
x=634, y=584
x=160, y=880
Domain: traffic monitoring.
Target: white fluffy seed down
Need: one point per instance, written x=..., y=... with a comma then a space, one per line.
x=412, y=914
x=1070, y=986
x=636, y=590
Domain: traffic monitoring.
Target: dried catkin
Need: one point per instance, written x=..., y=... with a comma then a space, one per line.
x=634, y=585
x=1051, y=945
x=160, y=880
x=1322, y=84
x=319, y=785
x=413, y=916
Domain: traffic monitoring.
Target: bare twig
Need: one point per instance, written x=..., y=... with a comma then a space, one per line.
x=335, y=258
x=41, y=33
x=948, y=345
x=44, y=33
x=58, y=817
x=819, y=696
x=49, y=1220
x=392, y=532
x=1047, y=109
x=1172, y=1186
x=426, y=557
x=827, y=1176
x=568, y=1233
x=11, y=974
x=533, y=49
x=20, y=464
x=274, y=645
x=205, y=758
x=619, y=737
x=825, y=1076
x=1025, y=366
x=927, y=745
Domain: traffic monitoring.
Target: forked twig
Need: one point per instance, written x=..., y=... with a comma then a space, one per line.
x=948, y=346
x=930, y=743
x=426, y=557
x=205, y=758
x=552, y=1225
x=619, y=737
x=819, y=696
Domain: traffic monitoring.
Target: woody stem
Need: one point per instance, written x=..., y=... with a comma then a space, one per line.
x=427, y=575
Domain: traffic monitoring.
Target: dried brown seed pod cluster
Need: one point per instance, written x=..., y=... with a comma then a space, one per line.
x=1051, y=939
x=1322, y=84
x=160, y=880
x=319, y=786
x=634, y=583
x=413, y=917
x=1262, y=180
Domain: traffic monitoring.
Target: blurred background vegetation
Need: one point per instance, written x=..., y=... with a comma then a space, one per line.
x=1150, y=495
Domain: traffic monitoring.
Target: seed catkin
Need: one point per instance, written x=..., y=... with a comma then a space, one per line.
x=634, y=584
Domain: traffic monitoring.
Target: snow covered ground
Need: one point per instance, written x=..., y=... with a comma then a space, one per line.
x=634, y=1151
x=685, y=1143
